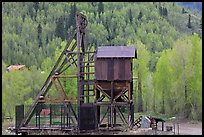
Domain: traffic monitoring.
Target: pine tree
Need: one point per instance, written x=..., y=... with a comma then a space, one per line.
x=59, y=30
x=140, y=15
x=183, y=10
x=165, y=12
x=39, y=35
x=100, y=8
x=130, y=15
x=36, y=6
x=161, y=11
x=71, y=20
x=201, y=23
x=189, y=22
x=93, y=4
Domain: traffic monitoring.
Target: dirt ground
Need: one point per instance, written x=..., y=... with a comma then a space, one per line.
x=185, y=128
x=189, y=128
x=182, y=128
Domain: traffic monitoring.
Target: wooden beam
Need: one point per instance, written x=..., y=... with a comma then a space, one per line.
x=65, y=76
x=56, y=100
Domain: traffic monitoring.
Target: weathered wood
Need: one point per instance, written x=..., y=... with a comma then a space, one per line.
x=113, y=69
x=56, y=100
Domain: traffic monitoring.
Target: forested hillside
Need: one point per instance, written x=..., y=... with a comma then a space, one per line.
x=167, y=37
x=193, y=6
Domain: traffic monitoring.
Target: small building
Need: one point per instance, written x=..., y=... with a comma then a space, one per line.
x=114, y=80
x=114, y=62
x=15, y=67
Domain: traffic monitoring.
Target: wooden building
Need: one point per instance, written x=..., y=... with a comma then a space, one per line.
x=114, y=77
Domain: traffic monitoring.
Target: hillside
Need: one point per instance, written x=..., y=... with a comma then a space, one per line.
x=32, y=31
x=193, y=6
x=168, y=41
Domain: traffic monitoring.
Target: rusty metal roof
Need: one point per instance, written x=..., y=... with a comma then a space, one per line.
x=116, y=52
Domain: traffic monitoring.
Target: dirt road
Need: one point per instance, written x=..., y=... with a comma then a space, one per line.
x=185, y=127
x=189, y=128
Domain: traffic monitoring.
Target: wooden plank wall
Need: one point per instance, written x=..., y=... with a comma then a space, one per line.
x=113, y=69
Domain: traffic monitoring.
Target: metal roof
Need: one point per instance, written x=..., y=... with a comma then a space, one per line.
x=116, y=51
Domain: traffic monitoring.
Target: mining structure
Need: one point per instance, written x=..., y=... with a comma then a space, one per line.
x=104, y=79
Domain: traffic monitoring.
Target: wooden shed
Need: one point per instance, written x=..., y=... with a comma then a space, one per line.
x=114, y=82
x=113, y=72
x=114, y=62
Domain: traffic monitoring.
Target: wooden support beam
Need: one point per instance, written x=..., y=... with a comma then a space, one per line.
x=121, y=93
x=56, y=100
x=65, y=76
x=87, y=73
x=101, y=89
x=114, y=103
x=65, y=95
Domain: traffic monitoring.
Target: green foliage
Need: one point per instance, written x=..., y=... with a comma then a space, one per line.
x=169, y=59
x=175, y=78
x=120, y=23
x=39, y=35
x=100, y=8
x=162, y=77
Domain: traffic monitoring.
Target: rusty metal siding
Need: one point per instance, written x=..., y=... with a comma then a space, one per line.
x=101, y=69
x=128, y=70
x=116, y=69
x=113, y=69
x=97, y=69
x=104, y=69
x=122, y=69
x=110, y=72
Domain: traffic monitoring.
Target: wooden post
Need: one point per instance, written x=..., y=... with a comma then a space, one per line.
x=61, y=116
x=50, y=115
x=39, y=115
x=36, y=118
x=111, y=109
x=114, y=111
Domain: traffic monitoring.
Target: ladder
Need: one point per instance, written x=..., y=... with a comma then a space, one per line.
x=87, y=77
x=138, y=122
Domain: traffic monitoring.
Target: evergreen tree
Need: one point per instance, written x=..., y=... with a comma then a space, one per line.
x=189, y=22
x=59, y=30
x=161, y=11
x=201, y=23
x=130, y=15
x=165, y=12
x=71, y=20
x=100, y=8
x=140, y=15
x=36, y=6
x=30, y=11
x=183, y=10
x=93, y=4
x=39, y=35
